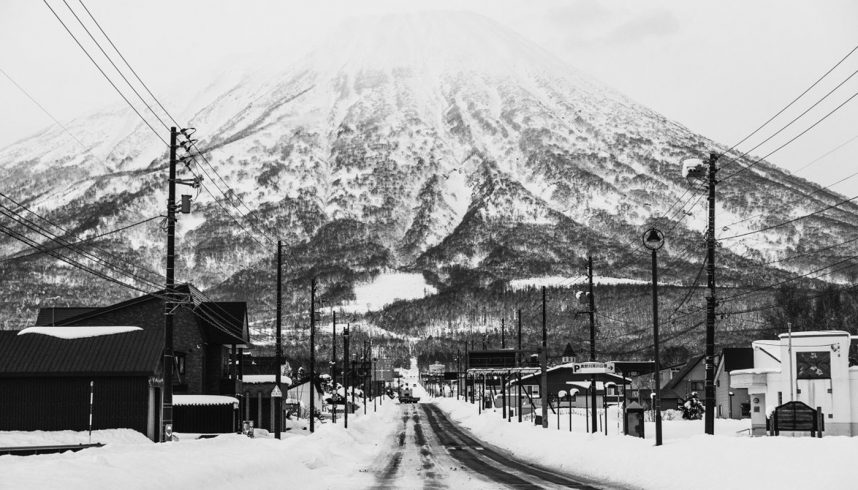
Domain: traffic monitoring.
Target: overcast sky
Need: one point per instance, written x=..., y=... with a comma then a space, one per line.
x=720, y=68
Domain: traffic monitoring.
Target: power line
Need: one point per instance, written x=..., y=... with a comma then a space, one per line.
x=104, y=74
x=34, y=101
x=778, y=225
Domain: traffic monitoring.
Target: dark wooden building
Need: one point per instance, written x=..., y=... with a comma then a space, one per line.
x=45, y=380
x=207, y=339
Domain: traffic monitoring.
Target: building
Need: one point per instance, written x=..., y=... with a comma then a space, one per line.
x=207, y=340
x=205, y=335
x=570, y=378
x=691, y=378
x=810, y=367
x=48, y=373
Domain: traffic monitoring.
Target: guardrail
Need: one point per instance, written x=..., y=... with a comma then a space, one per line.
x=31, y=450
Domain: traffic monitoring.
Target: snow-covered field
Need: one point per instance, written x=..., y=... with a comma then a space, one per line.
x=331, y=458
x=687, y=460
x=387, y=288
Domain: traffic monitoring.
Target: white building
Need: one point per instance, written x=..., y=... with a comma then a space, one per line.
x=810, y=367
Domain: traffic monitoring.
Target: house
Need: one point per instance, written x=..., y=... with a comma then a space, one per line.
x=569, y=378
x=205, y=334
x=691, y=378
x=809, y=367
x=207, y=340
x=48, y=375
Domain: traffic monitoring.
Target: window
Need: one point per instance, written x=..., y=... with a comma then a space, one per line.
x=697, y=385
x=533, y=390
x=179, y=363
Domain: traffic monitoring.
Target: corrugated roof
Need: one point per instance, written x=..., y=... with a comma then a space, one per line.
x=132, y=353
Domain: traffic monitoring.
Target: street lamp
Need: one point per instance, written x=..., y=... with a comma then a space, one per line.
x=653, y=240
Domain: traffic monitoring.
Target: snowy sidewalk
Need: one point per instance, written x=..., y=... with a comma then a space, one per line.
x=332, y=457
x=688, y=458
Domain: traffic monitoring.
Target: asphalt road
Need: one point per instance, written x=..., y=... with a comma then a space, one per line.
x=431, y=451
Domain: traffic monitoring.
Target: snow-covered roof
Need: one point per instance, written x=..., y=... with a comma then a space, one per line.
x=203, y=400
x=78, y=332
x=265, y=378
x=754, y=371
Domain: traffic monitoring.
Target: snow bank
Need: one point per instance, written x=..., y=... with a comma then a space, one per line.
x=688, y=458
x=77, y=332
x=332, y=457
x=56, y=438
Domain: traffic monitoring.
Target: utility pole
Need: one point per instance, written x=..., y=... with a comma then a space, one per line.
x=278, y=346
x=710, y=303
x=591, y=311
x=544, y=365
x=334, y=365
x=503, y=328
x=346, y=374
x=169, y=293
x=313, y=355
x=518, y=363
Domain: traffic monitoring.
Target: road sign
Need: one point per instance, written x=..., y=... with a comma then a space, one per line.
x=276, y=393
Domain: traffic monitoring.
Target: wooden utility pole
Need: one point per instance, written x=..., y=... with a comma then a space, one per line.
x=346, y=374
x=334, y=364
x=543, y=361
x=518, y=363
x=591, y=311
x=169, y=294
x=709, y=415
x=313, y=355
x=278, y=345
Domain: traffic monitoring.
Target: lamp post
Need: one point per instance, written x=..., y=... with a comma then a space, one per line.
x=653, y=240
x=730, y=408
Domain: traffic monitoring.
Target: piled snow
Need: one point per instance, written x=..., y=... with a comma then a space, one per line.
x=56, y=438
x=333, y=457
x=688, y=458
x=203, y=400
x=77, y=332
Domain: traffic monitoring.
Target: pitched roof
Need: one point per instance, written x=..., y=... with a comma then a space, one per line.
x=222, y=322
x=568, y=351
x=683, y=372
x=131, y=353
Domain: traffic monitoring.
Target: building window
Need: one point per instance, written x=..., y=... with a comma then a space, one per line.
x=179, y=358
x=697, y=385
x=533, y=390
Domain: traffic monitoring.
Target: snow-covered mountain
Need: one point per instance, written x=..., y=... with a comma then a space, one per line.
x=438, y=142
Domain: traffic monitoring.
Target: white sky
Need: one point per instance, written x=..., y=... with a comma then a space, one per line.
x=720, y=68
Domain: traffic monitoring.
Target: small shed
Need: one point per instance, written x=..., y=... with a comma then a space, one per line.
x=47, y=373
